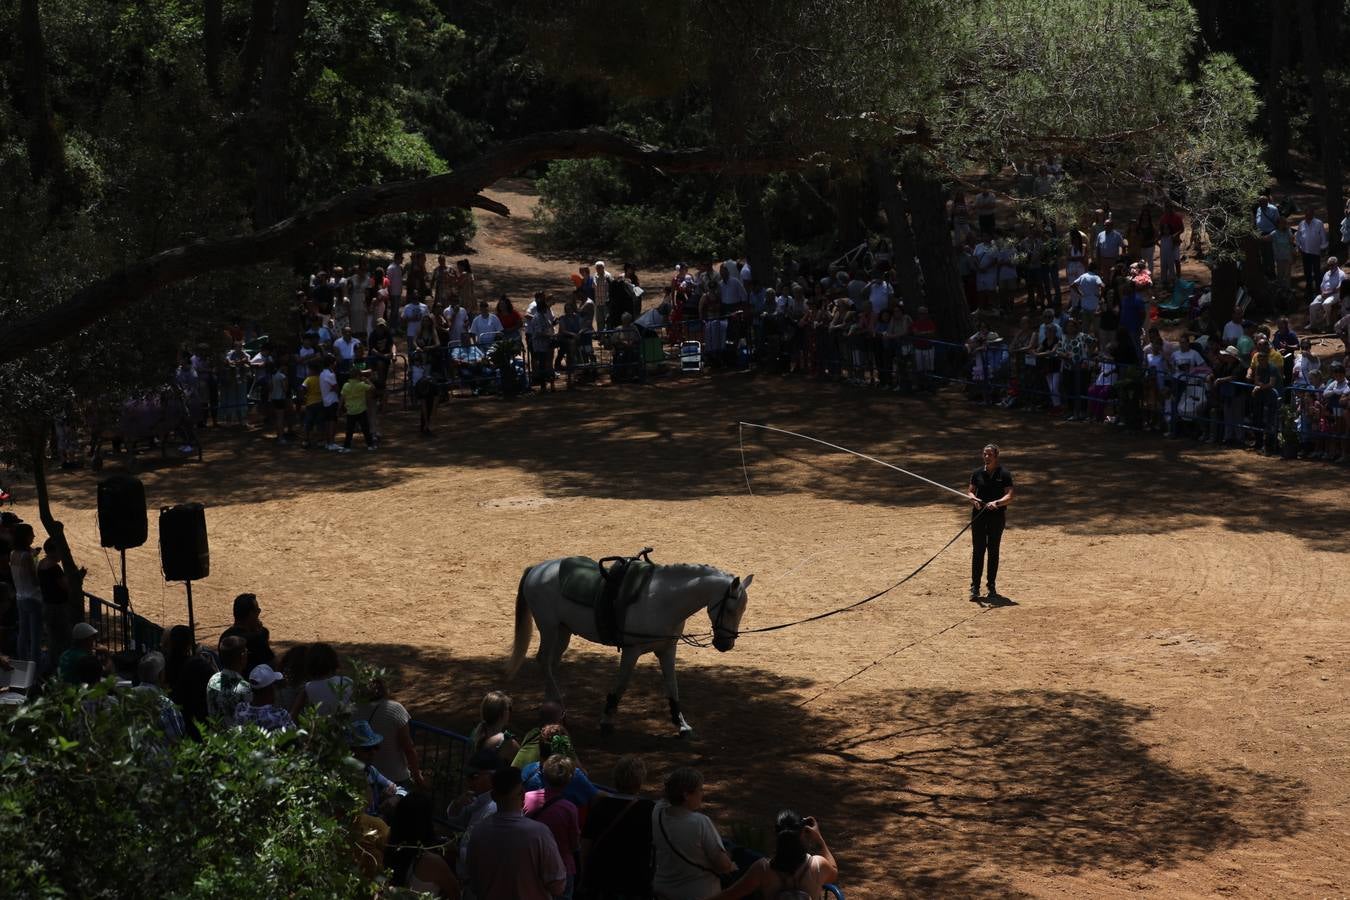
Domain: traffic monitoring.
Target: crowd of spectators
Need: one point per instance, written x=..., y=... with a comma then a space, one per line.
x=530, y=822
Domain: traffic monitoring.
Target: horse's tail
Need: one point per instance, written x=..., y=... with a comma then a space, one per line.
x=524, y=629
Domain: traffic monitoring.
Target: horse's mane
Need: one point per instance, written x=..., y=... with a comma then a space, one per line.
x=693, y=570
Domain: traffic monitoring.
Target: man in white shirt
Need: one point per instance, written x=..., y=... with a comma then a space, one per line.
x=879, y=292
x=1108, y=247
x=1233, y=329
x=485, y=326
x=1311, y=238
x=346, y=345
x=328, y=391
x=395, y=275
x=1086, y=294
x=456, y=320
x=413, y=311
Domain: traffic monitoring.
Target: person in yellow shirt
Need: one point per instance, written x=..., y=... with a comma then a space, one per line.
x=356, y=405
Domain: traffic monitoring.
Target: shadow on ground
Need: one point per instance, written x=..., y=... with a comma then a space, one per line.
x=949, y=793
x=678, y=440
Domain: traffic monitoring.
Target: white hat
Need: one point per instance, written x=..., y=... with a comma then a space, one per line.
x=264, y=675
x=82, y=630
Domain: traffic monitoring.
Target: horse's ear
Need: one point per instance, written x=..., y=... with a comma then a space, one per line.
x=745, y=585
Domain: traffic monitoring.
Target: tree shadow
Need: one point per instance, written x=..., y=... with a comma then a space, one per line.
x=934, y=792
x=677, y=439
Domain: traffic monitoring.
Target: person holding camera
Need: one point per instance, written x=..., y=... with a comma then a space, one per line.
x=800, y=867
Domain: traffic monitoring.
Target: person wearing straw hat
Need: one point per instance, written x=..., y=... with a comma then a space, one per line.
x=990, y=492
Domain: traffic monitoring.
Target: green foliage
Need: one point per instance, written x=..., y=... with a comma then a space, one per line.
x=95, y=803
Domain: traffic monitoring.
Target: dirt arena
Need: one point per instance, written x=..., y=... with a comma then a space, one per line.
x=1163, y=710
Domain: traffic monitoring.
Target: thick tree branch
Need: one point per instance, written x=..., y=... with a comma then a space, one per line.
x=455, y=189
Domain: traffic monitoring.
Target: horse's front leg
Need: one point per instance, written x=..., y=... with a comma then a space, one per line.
x=627, y=662
x=667, y=657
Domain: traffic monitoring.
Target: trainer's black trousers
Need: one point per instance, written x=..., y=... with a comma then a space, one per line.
x=985, y=533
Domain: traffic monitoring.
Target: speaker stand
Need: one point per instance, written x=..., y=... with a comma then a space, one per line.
x=192, y=621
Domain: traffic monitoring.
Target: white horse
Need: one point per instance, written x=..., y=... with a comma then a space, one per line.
x=654, y=624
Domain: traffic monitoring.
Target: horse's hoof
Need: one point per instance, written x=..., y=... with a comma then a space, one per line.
x=686, y=733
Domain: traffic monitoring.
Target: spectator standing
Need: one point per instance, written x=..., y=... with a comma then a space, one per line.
x=248, y=625
x=1144, y=238
x=491, y=731
x=539, y=330
x=616, y=841
x=794, y=870
x=1170, y=230
x=485, y=326
x=1108, y=246
x=551, y=712
x=383, y=793
x=394, y=274
x=396, y=756
x=1311, y=238
x=512, y=857
x=601, y=287
x=554, y=741
x=329, y=396
x=689, y=857
x=356, y=406
x=56, y=607
x=27, y=592
x=358, y=284
x=1267, y=219
x=229, y=687
x=1086, y=295
x=1282, y=249
x=550, y=807
x=986, y=205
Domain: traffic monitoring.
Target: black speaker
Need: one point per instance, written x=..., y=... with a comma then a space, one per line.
x=122, y=521
x=182, y=542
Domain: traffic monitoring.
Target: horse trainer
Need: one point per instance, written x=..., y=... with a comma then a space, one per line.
x=990, y=492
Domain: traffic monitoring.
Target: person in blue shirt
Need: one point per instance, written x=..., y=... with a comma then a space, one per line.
x=553, y=739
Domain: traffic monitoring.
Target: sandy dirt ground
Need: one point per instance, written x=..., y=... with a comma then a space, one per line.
x=1163, y=710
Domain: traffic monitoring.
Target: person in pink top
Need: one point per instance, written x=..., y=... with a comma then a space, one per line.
x=551, y=808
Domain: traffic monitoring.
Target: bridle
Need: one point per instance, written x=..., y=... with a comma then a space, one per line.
x=733, y=591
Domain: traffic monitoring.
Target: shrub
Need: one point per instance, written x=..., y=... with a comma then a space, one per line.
x=95, y=803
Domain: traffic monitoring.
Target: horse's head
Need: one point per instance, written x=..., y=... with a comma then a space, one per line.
x=725, y=613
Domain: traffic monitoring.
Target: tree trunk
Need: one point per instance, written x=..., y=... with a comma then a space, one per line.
x=758, y=246
x=250, y=57
x=903, y=250
x=1327, y=126
x=846, y=195
x=212, y=25
x=270, y=202
x=55, y=529
x=1225, y=280
x=946, y=299
x=46, y=154
x=1277, y=111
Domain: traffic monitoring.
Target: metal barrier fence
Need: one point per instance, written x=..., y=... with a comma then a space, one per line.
x=120, y=629
x=443, y=755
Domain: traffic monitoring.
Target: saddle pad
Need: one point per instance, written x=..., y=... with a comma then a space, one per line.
x=580, y=580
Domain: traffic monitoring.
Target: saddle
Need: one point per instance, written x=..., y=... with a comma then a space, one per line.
x=608, y=587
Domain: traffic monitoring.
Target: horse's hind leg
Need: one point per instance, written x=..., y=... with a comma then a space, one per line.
x=551, y=643
x=627, y=662
x=667, y=657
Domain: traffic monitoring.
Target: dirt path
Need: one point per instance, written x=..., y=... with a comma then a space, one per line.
x=1164, y=710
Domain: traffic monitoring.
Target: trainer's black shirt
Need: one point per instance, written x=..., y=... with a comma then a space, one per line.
x=991, y=486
